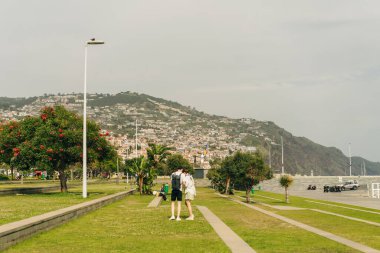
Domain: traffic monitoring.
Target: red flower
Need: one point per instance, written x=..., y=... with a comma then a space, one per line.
x=42, y=147
x=50, y=158
x=2, y=151
x=44, y=117
x=16, y=154
x=61, y=135
x=107, y=133
x=60, y=130
x=50, y=150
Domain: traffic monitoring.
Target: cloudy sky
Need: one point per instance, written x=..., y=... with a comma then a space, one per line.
x=312, y=67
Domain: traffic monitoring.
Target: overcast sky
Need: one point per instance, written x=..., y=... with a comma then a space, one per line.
x=312, y=67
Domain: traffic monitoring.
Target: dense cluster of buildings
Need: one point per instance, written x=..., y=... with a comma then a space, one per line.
x=196, y=137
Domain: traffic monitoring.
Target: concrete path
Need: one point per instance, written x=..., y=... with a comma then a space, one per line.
x=349, y=243
x=284, y=208
x=346, y=207
x=156, y=201
x=230, y=238
x=268, y=197
x=348, y=217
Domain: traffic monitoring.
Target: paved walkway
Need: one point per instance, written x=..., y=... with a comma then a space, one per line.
x=347, y=217
x=156, y=201
x=349, y=243
x=357, y=198
x=346, y=207
x=231, y=239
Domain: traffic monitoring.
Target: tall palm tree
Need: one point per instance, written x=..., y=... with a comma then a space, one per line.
x=286, y=181
x=139, y=167
x=157, y=154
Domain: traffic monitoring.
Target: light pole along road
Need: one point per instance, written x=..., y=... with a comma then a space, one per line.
x=88, y=43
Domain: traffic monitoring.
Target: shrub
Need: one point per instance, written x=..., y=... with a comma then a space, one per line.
x=3, y=177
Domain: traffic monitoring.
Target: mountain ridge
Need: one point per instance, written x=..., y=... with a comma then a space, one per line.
x=170, y=122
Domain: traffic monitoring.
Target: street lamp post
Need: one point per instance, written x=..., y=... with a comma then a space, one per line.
x=90, y=42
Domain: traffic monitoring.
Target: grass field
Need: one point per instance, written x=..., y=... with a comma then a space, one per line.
x=129, y=226
x=18, y=207
x=354, y=230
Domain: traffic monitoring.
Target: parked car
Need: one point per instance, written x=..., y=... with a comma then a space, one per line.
x=331, y=188
x=349, y=185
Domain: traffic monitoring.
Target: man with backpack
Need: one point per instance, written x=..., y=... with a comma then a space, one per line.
x=177, y=179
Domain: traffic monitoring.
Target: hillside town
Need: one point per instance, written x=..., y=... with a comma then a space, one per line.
x=130, y=127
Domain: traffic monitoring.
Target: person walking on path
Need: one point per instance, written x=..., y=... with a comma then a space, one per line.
x=190, y=192
x=177, y=179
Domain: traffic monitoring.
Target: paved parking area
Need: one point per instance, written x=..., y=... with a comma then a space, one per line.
x=357, y=198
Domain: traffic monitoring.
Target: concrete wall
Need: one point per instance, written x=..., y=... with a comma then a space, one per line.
x=15, y=232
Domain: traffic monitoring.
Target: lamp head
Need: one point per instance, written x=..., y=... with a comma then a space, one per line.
x=93, y=41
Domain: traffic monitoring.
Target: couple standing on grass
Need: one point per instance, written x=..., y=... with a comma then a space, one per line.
x=182, y=179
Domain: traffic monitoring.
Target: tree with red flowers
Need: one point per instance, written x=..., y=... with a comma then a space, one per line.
x=10, y=137
x=52, y=141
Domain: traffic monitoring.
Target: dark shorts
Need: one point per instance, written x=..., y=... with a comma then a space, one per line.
x=176, y=195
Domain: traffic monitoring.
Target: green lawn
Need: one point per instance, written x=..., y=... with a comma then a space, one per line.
x=264, y=233
x=28, y=184
x=303, y=202
x=18, y=207
x=354, y=230
x=129, y=226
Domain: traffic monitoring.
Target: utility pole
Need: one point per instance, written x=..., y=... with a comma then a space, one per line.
x=282, y=156
x=270, y=157
x=136, y=138
x=349, y=154
x=117, y=170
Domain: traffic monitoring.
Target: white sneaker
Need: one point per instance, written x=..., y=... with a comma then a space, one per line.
x=178, y=219
x=190, y=217
x=172, y=218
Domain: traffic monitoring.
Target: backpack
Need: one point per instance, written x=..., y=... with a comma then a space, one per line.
x=176, y=181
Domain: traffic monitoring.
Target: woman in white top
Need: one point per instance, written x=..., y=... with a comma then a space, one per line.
x=190, y=192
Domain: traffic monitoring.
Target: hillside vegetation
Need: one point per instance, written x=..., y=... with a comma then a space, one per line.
x=174, y=124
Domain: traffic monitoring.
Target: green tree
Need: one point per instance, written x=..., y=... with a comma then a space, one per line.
x=10, y=138
x=157, y=155
x=215, y=177
x=140, y=168
x=53, y=141
x=251, y=171
x=286, y=181
x=229, y=170
x=176, y=161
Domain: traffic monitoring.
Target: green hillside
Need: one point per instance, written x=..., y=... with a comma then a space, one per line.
x=174, y=123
